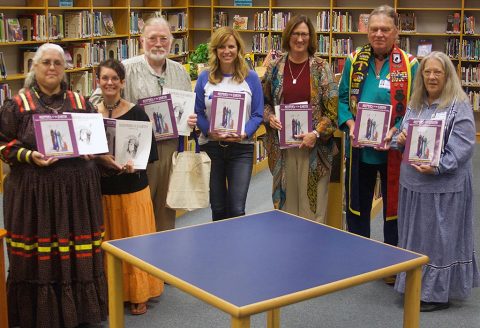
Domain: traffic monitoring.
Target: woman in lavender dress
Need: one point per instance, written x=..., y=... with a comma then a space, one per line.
x=435, y=210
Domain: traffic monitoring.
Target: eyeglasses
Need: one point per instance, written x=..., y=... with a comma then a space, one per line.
x=114, y=79
x=155, y=39
x=298, y=34
x=436, y=74
x=56, y=63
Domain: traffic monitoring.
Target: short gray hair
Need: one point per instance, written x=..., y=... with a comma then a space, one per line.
x=385, y=10
x=451, y=89
x=38, y=56
x=156, y=21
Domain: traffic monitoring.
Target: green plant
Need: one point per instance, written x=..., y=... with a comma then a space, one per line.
x=200, y=55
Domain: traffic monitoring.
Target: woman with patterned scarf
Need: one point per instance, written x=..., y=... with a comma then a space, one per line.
x=301, y=175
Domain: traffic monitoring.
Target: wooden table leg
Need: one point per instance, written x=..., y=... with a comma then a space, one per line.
x=411, y=307
x=273, y=318
x=115, y=292
x=241, y=322
x=3, y=286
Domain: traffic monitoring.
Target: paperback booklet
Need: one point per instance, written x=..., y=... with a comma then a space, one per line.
x=183, y=106
x=424, y=48
x=371, y=124
x=296, y=119
x=240, y=22
x=129, y=140
x=70, y=134
x=227, y=112
x=424, y=141
x=160, y=111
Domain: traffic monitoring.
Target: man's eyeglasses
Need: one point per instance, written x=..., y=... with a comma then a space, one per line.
x=296, y=35
x=155, y=39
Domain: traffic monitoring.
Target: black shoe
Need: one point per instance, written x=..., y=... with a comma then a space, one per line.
x=433, y=306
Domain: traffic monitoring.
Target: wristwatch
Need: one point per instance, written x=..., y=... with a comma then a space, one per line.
x=315, y=132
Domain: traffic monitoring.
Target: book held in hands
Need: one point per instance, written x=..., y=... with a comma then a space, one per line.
x=424, y=141
x=160, y=111
x=70, y=134
x=129, y=141
x=227, y=112
x=183, y=106
x=371, y=124
x=296, y=119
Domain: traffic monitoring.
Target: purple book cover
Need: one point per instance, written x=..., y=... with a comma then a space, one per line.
x=296, y=119
x=424, y=141
x=55, y=135
x=110, y=125
x=372, y=124
x=227, y=112
x=160, y=111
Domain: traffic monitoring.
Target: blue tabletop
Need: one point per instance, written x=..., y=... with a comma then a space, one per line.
x=262, y=256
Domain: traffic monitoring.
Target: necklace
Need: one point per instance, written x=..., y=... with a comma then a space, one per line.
x=110, y=108
x=50, y=108
x=294, y=80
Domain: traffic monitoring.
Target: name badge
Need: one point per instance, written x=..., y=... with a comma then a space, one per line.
x=441, y=116
x=384, y=84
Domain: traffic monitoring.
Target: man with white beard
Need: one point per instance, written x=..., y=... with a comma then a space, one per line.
x=146, y=76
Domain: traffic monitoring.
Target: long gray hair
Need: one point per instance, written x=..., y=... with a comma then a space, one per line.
x=451, y=89
x=36, y=59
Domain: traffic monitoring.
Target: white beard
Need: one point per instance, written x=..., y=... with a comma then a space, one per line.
x=156, y=57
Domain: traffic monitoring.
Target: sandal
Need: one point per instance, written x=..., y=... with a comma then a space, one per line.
x=138, y=308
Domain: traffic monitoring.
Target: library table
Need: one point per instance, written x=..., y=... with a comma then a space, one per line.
x=259, y=263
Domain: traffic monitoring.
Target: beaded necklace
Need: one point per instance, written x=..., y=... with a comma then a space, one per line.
x=110, y=108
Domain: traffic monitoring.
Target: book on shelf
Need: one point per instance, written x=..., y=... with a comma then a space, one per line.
x=424, y=141
x=453, y=23
x=70, y=134
x=183, y=106
x=160, y=111
x=407, y=22
x=14, y=30
x=129, y=141
x=177, y=21
x=296, y=119
x=240, y=22
x=3, y=67
x=80, y=82
x=227, y=114
x=65, y=3
x=250, y=59
x=469, y=24
x=242, y=3
x=28, y=55
x=27, y=28
x=81, y=55
x=372, y=124
x=220, y=19
x=108, y=26
x=424, y=48
x=363, y=23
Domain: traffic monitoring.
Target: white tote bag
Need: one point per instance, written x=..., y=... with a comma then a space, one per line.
x=189, y=185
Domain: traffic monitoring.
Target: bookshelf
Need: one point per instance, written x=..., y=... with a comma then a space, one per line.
x=83, y=25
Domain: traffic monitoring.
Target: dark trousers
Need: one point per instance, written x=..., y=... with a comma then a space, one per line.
x=230, y=175
x=360, y=225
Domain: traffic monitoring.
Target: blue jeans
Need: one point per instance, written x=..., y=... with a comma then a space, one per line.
x=230, y=175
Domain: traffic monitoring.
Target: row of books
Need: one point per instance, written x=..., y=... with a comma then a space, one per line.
x=276, y=43
x=260, y=43
x=26, y=27
x=280, y=20
x=471, y=49
x=342, y=47
x=453, y=23
x=220, y=18
x=471, y=75
x=341, y=22
x=323, y=44
x=452, y=47
x=260, y=21
x=81, y=82
x=469, y=25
